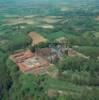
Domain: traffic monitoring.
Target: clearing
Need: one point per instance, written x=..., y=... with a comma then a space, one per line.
x=52, y=19
x=97, y=18
x=37, y=38
x=97, y=34
x=47, y=26
x=14, y=21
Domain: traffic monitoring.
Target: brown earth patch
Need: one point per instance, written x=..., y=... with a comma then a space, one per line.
x=37, y=38
x=97, y=18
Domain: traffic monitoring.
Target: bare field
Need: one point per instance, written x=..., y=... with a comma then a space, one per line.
x=97, y=18
x=36, y=38
x=47, y=21
x=52, y=19
x=14, y=21
x=65, y=8
x=97, y=34
x=47, y=26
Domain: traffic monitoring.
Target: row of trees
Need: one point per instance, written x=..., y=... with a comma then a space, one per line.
x=5, y=78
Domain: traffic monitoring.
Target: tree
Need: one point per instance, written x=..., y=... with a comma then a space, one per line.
x=5, y=79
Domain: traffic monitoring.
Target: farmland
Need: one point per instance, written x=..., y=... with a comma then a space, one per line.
x=36, y=27
x=36, y=38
